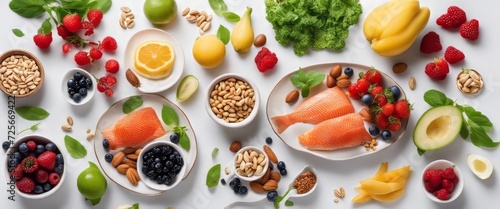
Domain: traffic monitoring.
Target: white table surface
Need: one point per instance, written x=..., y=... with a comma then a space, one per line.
x=192, y=192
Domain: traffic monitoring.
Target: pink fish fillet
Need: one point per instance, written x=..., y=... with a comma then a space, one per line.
x=330, y=103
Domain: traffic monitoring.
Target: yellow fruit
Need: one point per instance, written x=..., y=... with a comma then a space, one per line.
x=362, y=197
x=209, y=51
x=388, y=197
x=378, y=187
x=154, y=59
x=242, y=36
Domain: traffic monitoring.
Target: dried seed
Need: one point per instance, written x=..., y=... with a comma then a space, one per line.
x=194, y=12
x=90, y=137
x=185, y=12
x=122, y=23
x=125, y=9
x=206, y=26
x=412, y=83
x=69, y=119
x=66, y=127
x=399, y=67
x=131, y=24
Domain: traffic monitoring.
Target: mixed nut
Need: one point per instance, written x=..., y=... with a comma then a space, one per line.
x=125, y=163
x=469, y=81
x=232, y=100
x=19, y=75
x=250, y=162
x=201, y=18
x=127, y=18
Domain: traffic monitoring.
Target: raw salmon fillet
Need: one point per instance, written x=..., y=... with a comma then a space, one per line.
x=340, y=132
x=134, y=129
x=330, y=103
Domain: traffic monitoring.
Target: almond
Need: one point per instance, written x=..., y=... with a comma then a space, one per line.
x=336, y=71
x=270, y=154
x=270, y=185
x=330, y=81
x=399, y=67
x=365, y=114
x=130, y=163
x=275, y=176
x=292, y=96
x=235, y=146
x=343, y=83
x=128, y=150
x=138, y=151
x=133, y=176
x=122, y=168
x=132, y=78
x=118, y=159
x=256, y=187
x=266, y=176
x=344, y=76
x=132, y=156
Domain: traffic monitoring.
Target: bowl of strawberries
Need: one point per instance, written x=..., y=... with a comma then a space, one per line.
x=442, y=181
x=35, y=167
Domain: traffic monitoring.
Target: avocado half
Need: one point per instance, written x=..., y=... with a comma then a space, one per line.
x=437, y=127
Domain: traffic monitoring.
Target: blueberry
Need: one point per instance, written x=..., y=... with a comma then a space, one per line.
x=223, y=182
x=367, y=99
x=269, y=140
x=281, y=165
x=59, y=159
x=171, y=174
x=77, y=76
x=6, y=145
x=243, y=190
x=105, y=144
x=59, y=169
x=176, y=169
x=23, y=148
x=156, y=150
x=88, y=83
x=18, y=156
x=171, y=157
x=151, y=174
x=39, y=149
x=108, y=157
x=157, y=160
x=179, y=161
x=348, y=71
x=166, y=150
x=174, y=138
x=272, y=195
x=50, y=146
x=234, y=182
x=71, y=83
x=38, y=189
x=159, y=180
x=374, y=131
x=385, y=134
x=47, y=186
x=396, y=92
x=158, y=167
x=82, y=83
x=82, y=91
x=13, y=162
x=77, y=97
x=169, y=181
x=283, y=172
x=236, y=189
x=71, y=92
x=145, y=169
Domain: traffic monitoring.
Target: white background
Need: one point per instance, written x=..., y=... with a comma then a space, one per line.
x=192, y=192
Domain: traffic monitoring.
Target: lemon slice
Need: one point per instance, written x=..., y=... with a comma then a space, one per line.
x=186, y=88
x=154, y=59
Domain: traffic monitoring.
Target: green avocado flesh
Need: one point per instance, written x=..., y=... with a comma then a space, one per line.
x=437, y=127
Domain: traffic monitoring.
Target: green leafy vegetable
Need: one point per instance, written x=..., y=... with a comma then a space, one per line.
x=218, y=6
x=27, y=8
x=214, y=152
x=32, y=113
x=183, y=137
x=223, y=34
x=17, y=32
x=33, y=128
x=135, y=206
x=131, y=104
x=278, y=200
x=306, y=80
x=170, y=118
x=213, y=176
x=231, y=16
x=436, y=98
x=288, y=203
x=46, y=27
x=75, y=149
x=319, y=24
x=102, y=5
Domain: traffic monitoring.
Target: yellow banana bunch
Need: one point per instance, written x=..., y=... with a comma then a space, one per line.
x=384, y=186
x=393, y=26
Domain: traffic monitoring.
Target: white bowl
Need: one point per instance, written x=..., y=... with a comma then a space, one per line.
x=443, y=164
x=254, y=177
x=64, y=86
x=38, y=140
x=152, y=184
x=222, y=122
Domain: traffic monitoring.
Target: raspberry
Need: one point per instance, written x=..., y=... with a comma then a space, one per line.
x=110, y=80
x=263, y=52
x=470, y=30
x=18, y=172
x=452, y=55
x=433, y=178
x=72, y=22
x=429, y=187
x=42, y=40
x=430, y=43
x=112, y=66
x=449, y=173
x=82, y=58
x=41, y=176
x=95, y=53
x=95, y=16
x=66, y=47
x=63, y=32
x=54, y=178
x=442, y=194
x=31, y=145
x=268, y=62
x=353, y=91
x=448, y=185
x=26, y=185
x=454, y=17
x=108, y=44
x=108, y=92
x=89, y=28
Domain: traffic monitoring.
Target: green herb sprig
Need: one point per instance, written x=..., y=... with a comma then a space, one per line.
x=74, y=147
x=306, y=80
x=33, y=128
x=213, y=176
x=278, y=200
x=170, y=118
x=135, y=206
x=220, y=9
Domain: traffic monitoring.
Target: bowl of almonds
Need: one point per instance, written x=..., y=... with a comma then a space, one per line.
x=232, y=101
x=250, y=163
x=469, y=81
x=21, y=73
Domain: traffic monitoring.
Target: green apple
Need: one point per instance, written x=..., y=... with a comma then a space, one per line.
x=160, y=12
x=92, y=184
x=437, y=127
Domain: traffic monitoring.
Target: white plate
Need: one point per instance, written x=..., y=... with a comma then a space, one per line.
x=276, y=106
x=153, y=34
x=114, y=113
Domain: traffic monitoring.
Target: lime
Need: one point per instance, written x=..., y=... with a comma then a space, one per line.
x=186, y=88
x=160, y=12
x=92, y=184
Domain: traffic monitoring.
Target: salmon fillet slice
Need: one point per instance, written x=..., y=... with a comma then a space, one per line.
x=134, y=129
x=341, y=132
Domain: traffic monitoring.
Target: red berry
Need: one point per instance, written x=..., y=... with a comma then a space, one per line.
x=41, y=176
x=31, y=145
x=353, y=91
x=470, y=30
x=95, y=16
x=376, y=91
x=380, y=99
x=108, y=92
x=108, y=44
x=449, y=173
x=95, y=53
x=112, y=66
x=66, y=47
x=265, y=60
x=72, y=22
x=18, y=172
x=54, y=178
x=452, y=55
x=453, y=18
x=110, y=80
x=454, y=180
x=263, y=52
x=42, y=40
x=382, y=121
x=438, y=69
x=26, y=185
x=29, y=164
x=82, y=58
x=101, y=87
x=433, y=178
x=373, y=76
x=430, y=43
x=448, y=185
x=63, y=32
x=443, y=194
x=363, y=84
x=88, y=27
x=402, y=109
x=395, y=123
x=47, y=160
x=387, y=109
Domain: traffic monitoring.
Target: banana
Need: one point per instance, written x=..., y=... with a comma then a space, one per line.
x=242, y=36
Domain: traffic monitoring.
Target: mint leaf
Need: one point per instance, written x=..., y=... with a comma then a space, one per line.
x=478, y=118
x=169, y=116
x=32, y=113
x=131, y=104
x=436, y=98
x=75, y=149
x=314, y=78
x=289, y=203
x=218, y=6
x=479, y=138
x=464, y=131
x=27, y=8
x=304, y=81
x=231, y=16
x=214, y=152
x=17, y=32
x=223, y=34
x=213, y=176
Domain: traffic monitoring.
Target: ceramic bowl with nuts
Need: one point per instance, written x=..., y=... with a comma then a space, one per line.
x=250, y=163
x=469, y=81
x=21, y=73
x=232, y=101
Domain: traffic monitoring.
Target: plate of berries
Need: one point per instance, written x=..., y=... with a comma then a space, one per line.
x=338, y=111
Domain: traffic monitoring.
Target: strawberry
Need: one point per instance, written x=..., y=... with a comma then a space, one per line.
x=470, y=30
x=454, y=17
x=88, y=27
x=448, y=185
x=452, y=55
x=42, y=40
x=26, y=185
x=381, y=100
x=41, y=176
x=66, y=47
x=353, y=91
x=72, y=22
x=17, y=172
x=47, y=160
x=95, y=16
x=374, y=77
x=438, y=69
x=430, y=43
x=31, y=145
x=95, y=53
x=63, y=32
x=112, y=66
x=29, y=164
x=108, y=44
x=442, y=194
x=387, y=109
x=363, y=86
x=376, y=91
x=54, y=178
x=395, y=123
x=402, y=109
x=382, y=121
x=81, y=58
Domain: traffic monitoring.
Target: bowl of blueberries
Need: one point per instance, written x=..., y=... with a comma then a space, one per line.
x=78, y=86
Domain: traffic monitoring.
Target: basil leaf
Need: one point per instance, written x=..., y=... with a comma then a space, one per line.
x=304, y=91
x=32, y=113
x=131, y=104
x=169, y=116
x=464, y=131
x=27, y=8
x=46, y=27
x=223, y=34
x=102, y=5
x=135, y=206
x=218, y=6
x=231, y=16
x=314, y=78
x=436, y=98
x=213, y=176
x=214, y=152
x=17, y=32
x=288, y=203
x=479, y=137
x=420, y=152
x=299, y=79
x=478, y=118
x=184, y=141
x=75, y=149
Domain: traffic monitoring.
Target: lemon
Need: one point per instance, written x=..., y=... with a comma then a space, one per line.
x=154, y=59
x=209, y=51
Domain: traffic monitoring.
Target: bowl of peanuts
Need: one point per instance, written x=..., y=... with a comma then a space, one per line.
x=232, y=100
x=21, y=73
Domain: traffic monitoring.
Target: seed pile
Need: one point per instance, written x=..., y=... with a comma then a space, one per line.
x=201, y=18
x=305, y=182
x=232, y=100
x=19, y=75
x=127, y=18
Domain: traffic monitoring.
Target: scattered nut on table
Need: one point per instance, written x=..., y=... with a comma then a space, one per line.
x=127, y=18
x=201, y=18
